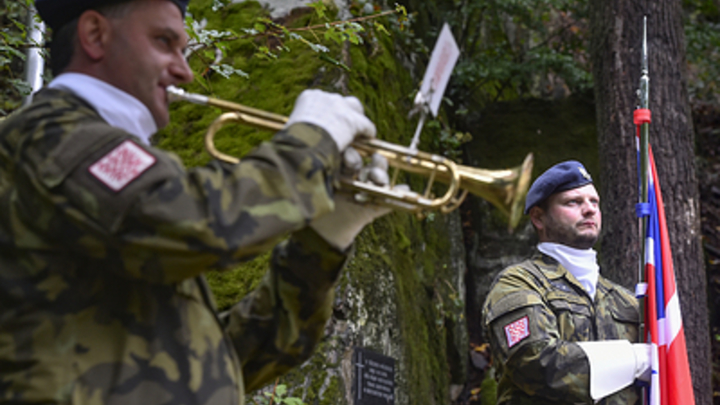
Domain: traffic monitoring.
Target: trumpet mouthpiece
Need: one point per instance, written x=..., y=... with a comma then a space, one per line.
x=178, y=94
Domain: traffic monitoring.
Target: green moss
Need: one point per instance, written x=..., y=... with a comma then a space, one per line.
x=231, y=286
x=405, y=254
x=488, y=388
x=270, y=88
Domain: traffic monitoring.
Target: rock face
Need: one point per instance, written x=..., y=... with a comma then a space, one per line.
x=403, y=293
x=401, y=296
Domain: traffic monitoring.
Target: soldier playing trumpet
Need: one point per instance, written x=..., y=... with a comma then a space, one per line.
x=105, y=239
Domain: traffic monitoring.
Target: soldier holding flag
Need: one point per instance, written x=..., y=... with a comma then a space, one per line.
x=559, y=332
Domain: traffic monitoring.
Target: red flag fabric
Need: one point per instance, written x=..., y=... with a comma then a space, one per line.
x=670, y=381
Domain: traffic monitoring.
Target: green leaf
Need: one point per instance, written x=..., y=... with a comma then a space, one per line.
x=12, y=51
x=264, y=52
x=381, y=28
x=320, y=9
x=227, y=71
x=217, y=5
x=315, y=47
x=281, y=390
x=326, y=58
x=292, y=401
x=21, y=86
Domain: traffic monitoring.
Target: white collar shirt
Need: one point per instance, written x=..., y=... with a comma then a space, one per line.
x=118, y=108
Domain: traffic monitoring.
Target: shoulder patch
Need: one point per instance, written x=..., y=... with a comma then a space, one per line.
x=122, y=165
x=516, y=331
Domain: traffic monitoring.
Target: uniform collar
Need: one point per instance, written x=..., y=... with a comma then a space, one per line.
x=116, y=107
x=553, y=270
x=582, y=263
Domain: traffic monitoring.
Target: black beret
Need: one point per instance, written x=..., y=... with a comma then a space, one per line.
x=561, y=177
x=57, y=13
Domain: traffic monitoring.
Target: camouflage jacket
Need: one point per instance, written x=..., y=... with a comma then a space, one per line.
x=103, y=243
x=534, y=313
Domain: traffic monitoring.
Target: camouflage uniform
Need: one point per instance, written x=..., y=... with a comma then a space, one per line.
x=102, y=298
x=541, y=364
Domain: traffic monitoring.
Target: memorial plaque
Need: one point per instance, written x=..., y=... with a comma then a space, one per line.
x=374, y=378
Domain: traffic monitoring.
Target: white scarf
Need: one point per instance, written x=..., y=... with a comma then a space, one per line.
x=581, y=263
x=118, y=108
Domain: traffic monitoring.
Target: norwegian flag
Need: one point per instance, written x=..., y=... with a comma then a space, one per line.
x=670, y=380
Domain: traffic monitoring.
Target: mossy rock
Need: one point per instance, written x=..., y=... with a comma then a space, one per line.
x=391, y=297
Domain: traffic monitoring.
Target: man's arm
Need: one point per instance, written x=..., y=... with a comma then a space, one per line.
x=94, y=191
x=523, y=322
x=527, y=344
x=277, y=326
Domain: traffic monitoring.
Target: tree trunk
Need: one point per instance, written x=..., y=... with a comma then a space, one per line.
x=616, y=38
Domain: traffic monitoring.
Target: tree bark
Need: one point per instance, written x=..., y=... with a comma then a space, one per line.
x=616, y=40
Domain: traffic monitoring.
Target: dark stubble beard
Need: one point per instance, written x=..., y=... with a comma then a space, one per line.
x=567, y=235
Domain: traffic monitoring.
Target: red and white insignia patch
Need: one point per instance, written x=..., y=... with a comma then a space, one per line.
x=122, y=165
x=517, y=331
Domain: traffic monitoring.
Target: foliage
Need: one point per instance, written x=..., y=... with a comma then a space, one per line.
x=512, y=49
x=279, y=396
x=448, y=303
x=13, y=43
x=702, y=32
x=273, y=39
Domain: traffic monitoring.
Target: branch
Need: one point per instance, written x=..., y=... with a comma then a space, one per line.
x=358, y=19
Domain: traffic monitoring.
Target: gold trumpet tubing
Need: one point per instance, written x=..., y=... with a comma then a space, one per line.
x=397, y=199
x=395, y=154
x=238, y=117
x=438, y=167
x=505, y=189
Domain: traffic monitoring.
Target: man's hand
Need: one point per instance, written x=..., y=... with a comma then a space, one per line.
x=342, y=117
x=340, y=227
x=642, y=361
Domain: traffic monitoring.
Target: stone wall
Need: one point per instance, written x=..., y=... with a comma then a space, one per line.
x=402, y=293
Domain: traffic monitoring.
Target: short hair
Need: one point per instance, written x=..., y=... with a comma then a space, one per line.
x=62, y=46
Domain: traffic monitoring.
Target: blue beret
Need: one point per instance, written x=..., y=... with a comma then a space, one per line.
x=561, y=177
x=57, y=13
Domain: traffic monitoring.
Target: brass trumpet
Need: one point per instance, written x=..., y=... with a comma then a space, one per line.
x=505, y=189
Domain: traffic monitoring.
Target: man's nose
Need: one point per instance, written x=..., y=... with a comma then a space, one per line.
x=180, y=70
x=589, y=208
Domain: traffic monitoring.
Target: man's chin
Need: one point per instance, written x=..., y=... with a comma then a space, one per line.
x=161, y=120
x=585, y=242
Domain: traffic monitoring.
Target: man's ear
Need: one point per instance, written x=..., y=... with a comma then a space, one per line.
x=536, y=216
x=93, y=33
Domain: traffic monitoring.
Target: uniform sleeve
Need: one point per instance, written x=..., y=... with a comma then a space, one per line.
x=526, y=343
x=277, y=326
x=137, y=211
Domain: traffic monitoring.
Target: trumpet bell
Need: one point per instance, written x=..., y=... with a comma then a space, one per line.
x=506, y=189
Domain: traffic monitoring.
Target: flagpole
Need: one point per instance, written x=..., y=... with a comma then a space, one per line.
x=643, y=104
x=643, y=97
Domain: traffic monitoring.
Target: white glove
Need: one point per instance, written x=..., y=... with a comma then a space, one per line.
x=643, y=355
x=340, y=227
x=342, y=117
x=615, y=364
